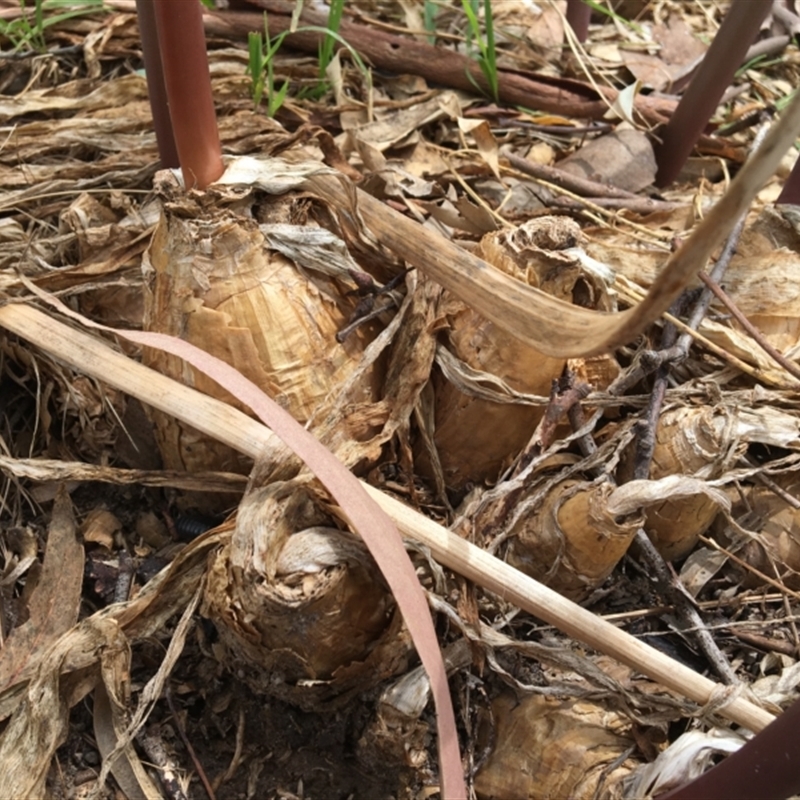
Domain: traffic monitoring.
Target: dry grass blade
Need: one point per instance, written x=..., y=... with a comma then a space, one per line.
x=135, y=782
x=554, y=327
x=114, y=731
x=248, y=436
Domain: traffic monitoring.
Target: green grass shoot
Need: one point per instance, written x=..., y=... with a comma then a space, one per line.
x=429, y=19
x=328, y=43
x=260, y=68
x=25, y=32
x=261, y=54
x=486, y=52
x=609, y=12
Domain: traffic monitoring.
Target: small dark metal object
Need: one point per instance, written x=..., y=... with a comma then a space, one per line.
x=190, y=526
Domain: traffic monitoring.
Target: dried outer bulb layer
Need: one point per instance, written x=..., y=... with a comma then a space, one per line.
x=300, y=606
x=476, y=431
x=571, y=541
x=704, y=443
x=547, y=748
x=214, y=281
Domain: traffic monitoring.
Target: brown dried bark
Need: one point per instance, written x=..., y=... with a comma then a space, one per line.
x=438, y=65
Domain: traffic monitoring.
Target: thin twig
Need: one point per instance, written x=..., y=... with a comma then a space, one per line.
x=152, y=743
x=639, y=205
x=652, y=360
x=672, y=352
x=122, y=588
x=238, y=751
x=18, y=55
x=750, y=568
x=565, y=394
x=577, y=420
x=765, y=480
x=764, y=642
x=188, y=745
x=669, y=583
x=581, y=186
x=754, y=332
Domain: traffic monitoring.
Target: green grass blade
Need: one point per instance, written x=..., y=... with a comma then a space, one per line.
x=329, y=42
x=255, y=66
x=489, y=64
x=429, y=20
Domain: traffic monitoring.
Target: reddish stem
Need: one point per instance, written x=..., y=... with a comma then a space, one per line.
x=578, y=16
x=187, y=79
x=714, y=75
x=156, y=90
x=764, y=769
x=790, y=195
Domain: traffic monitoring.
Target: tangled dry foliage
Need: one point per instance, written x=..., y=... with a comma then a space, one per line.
x=259, y=654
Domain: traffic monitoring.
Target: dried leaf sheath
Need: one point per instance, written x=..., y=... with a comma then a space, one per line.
x=475, y=435
x=572, y=541
x=300, y=604
x=215, y=282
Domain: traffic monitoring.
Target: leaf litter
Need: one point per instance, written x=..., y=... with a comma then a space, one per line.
x=410, y=410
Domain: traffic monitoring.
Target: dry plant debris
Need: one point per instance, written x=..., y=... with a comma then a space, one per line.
x=157, y=644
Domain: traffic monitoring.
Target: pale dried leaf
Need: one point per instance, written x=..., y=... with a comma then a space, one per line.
x=701, y=566
x=623, y=159
x=686, y=758
x=55, y=602
x=396, y=126
x=634, y=495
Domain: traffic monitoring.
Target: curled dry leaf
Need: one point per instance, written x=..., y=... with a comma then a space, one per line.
x=39, y=723
x=99, y=526
x=547, y=323
x=686, y=758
